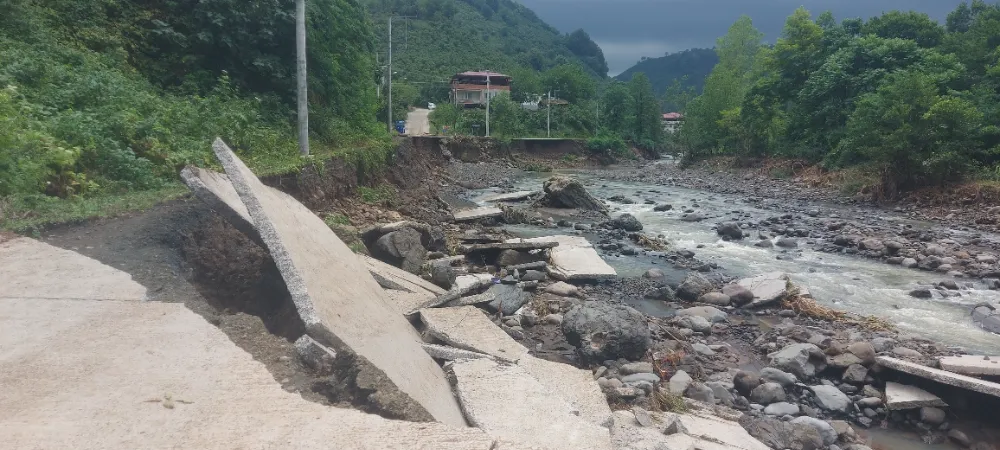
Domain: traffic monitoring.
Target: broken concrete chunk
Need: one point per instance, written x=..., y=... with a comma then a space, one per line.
x=316, y=356
x=941, y=376
x=468, y=328
x=513, y=244
x=575, y=259
x=340, y=304
x=448, y=353
x=507, y=402
x=509, y=197
x=902, y=396
x=467, y=215
x=574, y=385
x=767, y=288
x=972, y=365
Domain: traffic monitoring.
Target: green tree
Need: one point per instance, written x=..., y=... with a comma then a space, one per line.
x=911, y=25
x=570, y=81
x=616, y=109
x=647, y=130
x=506, y=118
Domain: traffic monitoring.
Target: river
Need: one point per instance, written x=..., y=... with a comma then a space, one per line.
x=841, y=281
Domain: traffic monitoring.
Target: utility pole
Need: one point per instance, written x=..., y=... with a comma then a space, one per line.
x=548, y=118
x=388, y=106
x=303, y=78
x=487, y=103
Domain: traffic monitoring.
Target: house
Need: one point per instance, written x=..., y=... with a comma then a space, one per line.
x=672, y=122
x=470, y=88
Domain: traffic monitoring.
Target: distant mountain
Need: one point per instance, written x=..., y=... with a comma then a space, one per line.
x=695, y=63
x=450, y=36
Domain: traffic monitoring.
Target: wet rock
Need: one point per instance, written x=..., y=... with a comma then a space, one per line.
x=625, y=222
x=638, y=378
x=883, y=344
x=855, y=374
x=693, y=286
x=562, y=289
x=679, y=383
x=709, y=313
x=569, y=193
x=653, y=274
x=909, y=263
x=959, y=438
x=700, y=392
x=907, y=352
x=533, y=275
x=766, y=288
x=802, y=360
x=402, y=248
x=768, y=393
x=986, y=316
x=921, y=293
x=932, y=416
x=745, y=382
x=830, y=398
x=507, y=298
x=636, y=367
x=692, y=217
x=603, y=332
x=874, y=245
x=730, y=230
x=843, y=360
x=664, y=293
x=508, y=257
x=662, y=208
x=443, y=275
x=738, y=295
x=783, y=435
x=696, y=323
x=715, y=298
x=785, y=242
x=825, y=429
x=782, y=409
x=770, y=374
x=864, y=351
x=764, y=243
x=951, y=285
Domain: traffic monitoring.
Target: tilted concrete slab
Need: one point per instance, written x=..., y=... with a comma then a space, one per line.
x=512, y=244
x=405, y=302
x=710, y=428
x=218, y=193
x=940, y=376
x=406, y=279
x=466, y=215
x=34, y=269
x=972, y=364
x=575, y=259
x=576, y=386
x=467, y=327
x=472, y=279
x=507, y=402
x=509, y=197
x=340, y=304
x=902, y=396
x=150, y=375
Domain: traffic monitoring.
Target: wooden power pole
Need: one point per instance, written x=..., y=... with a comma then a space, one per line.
x=302, y=75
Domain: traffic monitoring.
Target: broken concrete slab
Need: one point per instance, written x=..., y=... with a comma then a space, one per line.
x=466, y=215
x=472, y=279
x=340, y=304
x=462, y=286
x=514, y=244
x=940, y=376
x=974, y=365
x=575, y=259
x=34, y=269
x=315, y=355
x=405, y=279
x=902, y=396
x=216, y=191
x=574, y=385
x=509, y=197
x=151, y=375
x=449, y=353
x=509, y=403
x=715, y=429
x=767, y=288
x=468, y=328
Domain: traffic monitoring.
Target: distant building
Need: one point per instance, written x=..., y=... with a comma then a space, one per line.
x=672, y=122
x=470, y=88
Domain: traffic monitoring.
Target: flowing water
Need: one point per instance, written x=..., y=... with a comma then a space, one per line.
x=844, y=282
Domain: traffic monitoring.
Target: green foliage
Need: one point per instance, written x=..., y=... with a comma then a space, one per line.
x=445, y=115
x=537, y=167
x=647, y=128
x=336, y=219
x=379, y=195
x=608, y=145
x=898, y=94
x=676, y=74
x=569, y=82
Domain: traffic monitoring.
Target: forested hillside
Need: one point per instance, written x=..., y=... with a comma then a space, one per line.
x=675, y=74
x=109, y=97
x=915, y=101
x=445, y=37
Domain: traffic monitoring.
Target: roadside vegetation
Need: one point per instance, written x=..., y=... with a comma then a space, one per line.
x=103, y=102
x=913, y=102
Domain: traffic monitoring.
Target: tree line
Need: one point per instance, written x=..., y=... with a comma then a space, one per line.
x=913, y=100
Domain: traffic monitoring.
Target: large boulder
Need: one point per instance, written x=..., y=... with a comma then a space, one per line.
x=739, y=295
x=825, y=429
x=768, y=393
x=602, y=332
x=693, y=287
x=402, y=248
x=831, y=398
x=987, y=317
x=569, y=193
x=784, y=435
x=803, y=360
x=766, y=288
x=730, y=230
x=625, y=222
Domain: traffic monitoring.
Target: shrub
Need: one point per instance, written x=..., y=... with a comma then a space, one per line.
x=608, y=145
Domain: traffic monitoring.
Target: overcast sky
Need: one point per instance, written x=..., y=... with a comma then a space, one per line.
x=629, y=29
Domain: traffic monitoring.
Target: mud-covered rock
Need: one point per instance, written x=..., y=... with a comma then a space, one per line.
x=402, y=248
x=570, y=193
x=693, y=287
x=602, y=331
x=625, y=222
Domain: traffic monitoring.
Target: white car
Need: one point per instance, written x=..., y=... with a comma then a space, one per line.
x=431, y=106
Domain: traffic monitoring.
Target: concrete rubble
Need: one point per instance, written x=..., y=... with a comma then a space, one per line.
x=767, y=288
x=974, y=365
x=900, y=396
x=468, y=328
x=339, y=308
x=513, y=244
x=485, y=212
x=575, y=259
x=941, y=376
x=509, y=197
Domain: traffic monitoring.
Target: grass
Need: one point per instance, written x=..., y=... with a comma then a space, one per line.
x=336, y=219
x=379, y=195
x=29, y=214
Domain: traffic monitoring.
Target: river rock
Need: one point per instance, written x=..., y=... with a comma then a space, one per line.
x=700, y=392
x=738, y=295
x=625, y=222
x=570, y=193
x=986, y=316
x=730, y=230
x=693, y=286
x=907, y=352
x=533, y=275
x=909, y=263
x=702, y=349
x=768, y=393
x=874, y=245
x=709, y=313
x=766, y=288
x=679, y=383
x=770, y=374
x=402, y=248
x=721, y=391
x=830, y=398
x=959, y=438
x=785, y=242
x=745, y=382
x=636, y=367
x=507, y=298
x=803, y=360
x=662, y=208
x=782, y=409
x=715, y=298
x=932, y=416
x=921, y=293
x=653, y=274
x=883, y=344
x=696, y=323
x=855, y=374
x=562, y=289
x=782, y=435
x=602, y=332
x=443, y=275
x=864, y=351
x=825, y=429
